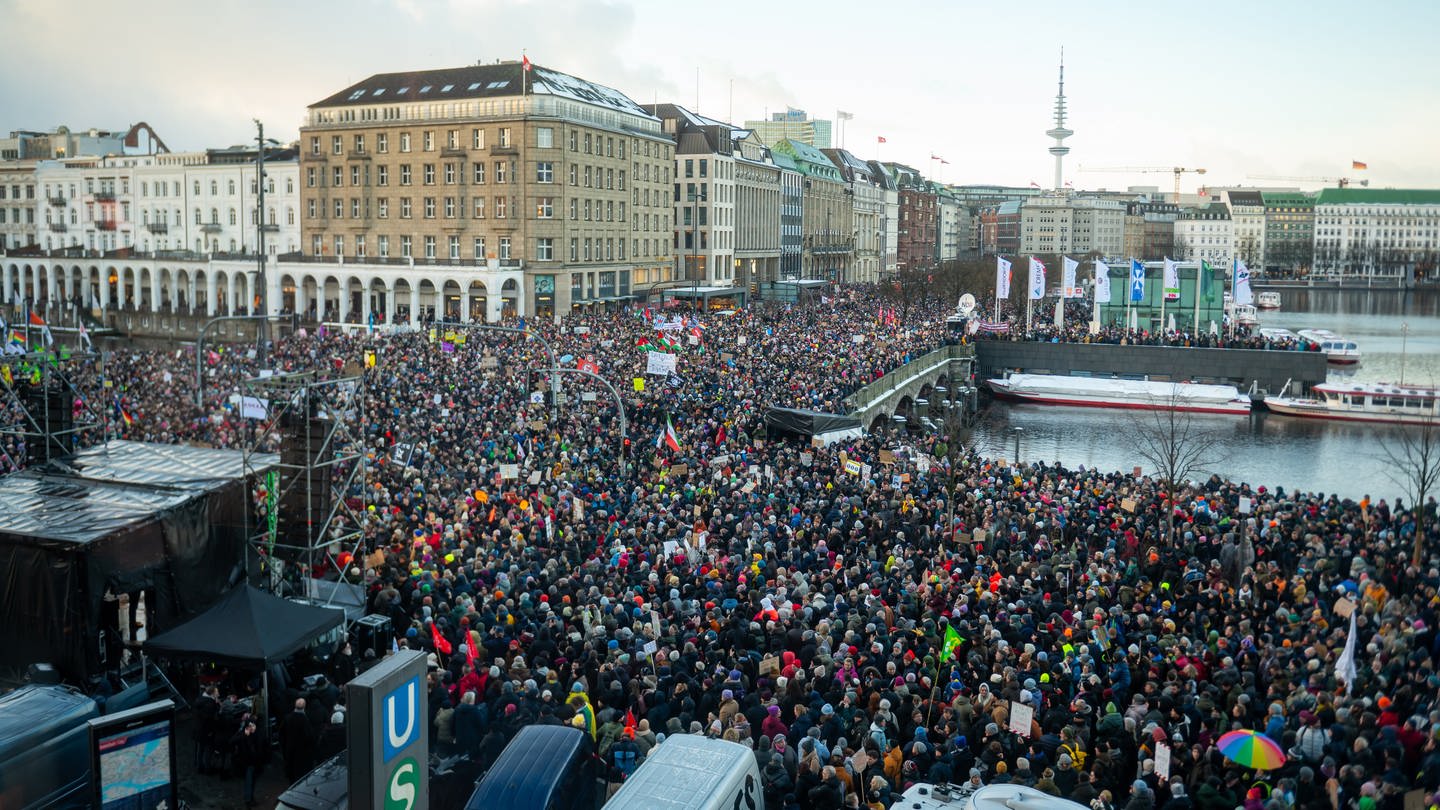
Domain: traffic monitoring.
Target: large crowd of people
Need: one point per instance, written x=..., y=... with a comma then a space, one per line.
x=860, y=634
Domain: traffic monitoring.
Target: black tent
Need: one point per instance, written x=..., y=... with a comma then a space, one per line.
x=247, y=627
x=808, y=423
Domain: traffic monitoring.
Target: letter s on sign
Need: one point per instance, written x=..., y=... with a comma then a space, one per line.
x=746, y=797
x=400, y=794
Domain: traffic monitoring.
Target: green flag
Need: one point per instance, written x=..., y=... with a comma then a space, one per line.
x=1205, y=272
x=951, y=644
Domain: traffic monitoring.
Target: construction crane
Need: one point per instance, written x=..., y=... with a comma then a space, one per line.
x=1341, y=182
x=1175, y=170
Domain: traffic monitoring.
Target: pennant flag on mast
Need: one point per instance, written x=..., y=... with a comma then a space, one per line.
x=1205, y=271
x=1345, y=669
x=1242, y=284
x=1137, y=281
x=1102, y=282
x=1002, y=277
x=1172, y=280
x=36, y=320
x=1037, y=279
x=1068, y=266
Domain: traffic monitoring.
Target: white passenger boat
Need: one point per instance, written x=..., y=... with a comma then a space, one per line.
x=1240, y=314
x=1270, y=299
x=1363, y=402
x=1279, y=335
x=1338, y=350
x=1096, y=392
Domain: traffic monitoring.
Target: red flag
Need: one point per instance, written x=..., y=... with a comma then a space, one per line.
x=35, y=319
x=630, y=720
x=720, y=435
x=441, y=644
x=470, y=653
x=1359, y=165
x=525, y=63
x=880, y=139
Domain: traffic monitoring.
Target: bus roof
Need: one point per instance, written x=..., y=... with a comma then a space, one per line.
x=685, y=771
x=529, y=770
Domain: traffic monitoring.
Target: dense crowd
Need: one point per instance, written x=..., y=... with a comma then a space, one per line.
x=758, y=589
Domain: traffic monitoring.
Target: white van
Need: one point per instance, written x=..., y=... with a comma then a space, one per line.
x=690, y=772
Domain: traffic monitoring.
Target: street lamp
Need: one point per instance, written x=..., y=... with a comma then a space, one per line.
x=1017, y=431
x=264, y=305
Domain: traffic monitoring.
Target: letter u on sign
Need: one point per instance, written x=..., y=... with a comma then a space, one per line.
x=399, y=725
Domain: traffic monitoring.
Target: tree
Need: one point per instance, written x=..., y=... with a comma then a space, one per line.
x=1176, y=447
x=1413, y=453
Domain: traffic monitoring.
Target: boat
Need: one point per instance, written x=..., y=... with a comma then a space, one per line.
x=1270, y=299
x=1338, y=350
x=1363, y=402
x=1100, y=392
x=1277, y=335
x=1240, y=314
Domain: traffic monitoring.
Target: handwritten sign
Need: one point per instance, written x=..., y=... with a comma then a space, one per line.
x=1162, y=760
x=1021, y=716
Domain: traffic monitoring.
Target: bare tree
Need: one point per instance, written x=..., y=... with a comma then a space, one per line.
x=1176, y=447
x=1413, y=455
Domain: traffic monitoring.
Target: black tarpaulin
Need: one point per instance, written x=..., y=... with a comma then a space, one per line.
x=247, y=627
x=807, y=423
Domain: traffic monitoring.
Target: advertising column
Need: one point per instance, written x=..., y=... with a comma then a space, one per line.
x=386, y=728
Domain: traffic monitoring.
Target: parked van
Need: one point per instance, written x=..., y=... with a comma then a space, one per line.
x=690, y=772
x=543, y=768
x=45, y=748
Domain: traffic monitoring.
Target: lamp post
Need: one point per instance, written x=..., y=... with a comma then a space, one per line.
x=1017, y=431
x=264, y=304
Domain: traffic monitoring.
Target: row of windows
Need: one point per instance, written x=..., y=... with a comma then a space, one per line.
x=587, y=249
x=593, y=144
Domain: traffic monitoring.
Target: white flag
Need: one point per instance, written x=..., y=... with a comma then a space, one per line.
x=1242, y=284
x=1102, y=282
x=1068, y=266
x=1345, y=668
x=1037, y=279
x=1172, y=281
x=1002, y=277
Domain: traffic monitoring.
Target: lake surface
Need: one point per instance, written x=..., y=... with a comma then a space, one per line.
x=1398, y=334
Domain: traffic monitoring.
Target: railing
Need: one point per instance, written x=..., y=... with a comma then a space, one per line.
x=58, y=201
x=105, y=224
x=210, y=227
x=920, y=366
x=59, y=227
x=158, y=227
x=313, y=157
x=104, y=196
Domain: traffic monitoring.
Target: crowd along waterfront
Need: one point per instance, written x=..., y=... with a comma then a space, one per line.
x=1399, y=333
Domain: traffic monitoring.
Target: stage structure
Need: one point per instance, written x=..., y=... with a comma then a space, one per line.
x=43, y=408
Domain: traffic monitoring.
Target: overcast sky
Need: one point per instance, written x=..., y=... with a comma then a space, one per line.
x=1239, y=88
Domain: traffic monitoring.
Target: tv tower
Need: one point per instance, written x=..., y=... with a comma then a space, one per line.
x=1060, y=133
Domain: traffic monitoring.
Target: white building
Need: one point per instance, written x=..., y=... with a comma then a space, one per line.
x=17, y=204
x=1247, y=219
x=954, y=227
x=1377, y=233
x=889, y=220
x=214, y=209
x=1062, y=223
x=868, y=207
x=705, y=195
x=1205, y=234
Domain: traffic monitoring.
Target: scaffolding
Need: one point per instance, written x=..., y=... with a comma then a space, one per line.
x=309, y=509
x=43, y=408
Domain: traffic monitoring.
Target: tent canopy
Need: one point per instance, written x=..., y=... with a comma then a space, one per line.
x=247, y=627
x=808, y=423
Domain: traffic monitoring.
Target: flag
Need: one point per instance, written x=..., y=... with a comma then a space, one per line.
x=1102, y=282
x=1034, y=184
x=1068, y=266
x=1205, y=271
x=1172, y=281
x=525, y=63
x=1002, y=278
x=442, y=644
x=1359, y=165
x=1037, y=279
x=1345, y=669
x=668, y=438
x=951, y=644
x=121, y=414
x=85, y=337
x=36, y=320
x=880, y=139
x=1137, y=281
x=7, y=377
x=720, y=435
x=844, y=116
x=934, y=156
x=1242, y=284
x=643, y=342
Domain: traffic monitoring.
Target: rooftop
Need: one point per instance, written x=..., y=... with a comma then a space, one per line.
x=1378, y=196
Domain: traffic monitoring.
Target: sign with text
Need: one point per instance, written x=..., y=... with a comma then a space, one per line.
x=389, y=753
x=660, y=363
x=1021, y=715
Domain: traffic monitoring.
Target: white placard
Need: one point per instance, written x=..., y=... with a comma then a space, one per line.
x=587, y=396
x=806, y=459
x=1244, y=506
x=1162, y=760
x=865, y=470
x=509, y=471
x=582, y=330
x=650, y=648
x=692, y=340
x=254, y=408
x=266, y=373
x=660, y=363
x=436, y=399
x=857, y=339
x=537, y=397
x=605, y=344
x=169, y=377
x=1021, y=715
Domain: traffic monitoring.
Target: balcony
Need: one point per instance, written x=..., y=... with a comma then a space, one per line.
x=359, y=154
x=58, y=201
x=157, y=227
x=313, y=157
x=105, y=196
x=511, y=149
x=59, y=227
x=454, y=152
x=270, y=228
x=105, y=224
x=210, y=227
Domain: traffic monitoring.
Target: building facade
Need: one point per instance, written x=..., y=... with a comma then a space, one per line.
x=792, y=125
x=18, y=204
x=1061, y=223
x=867, y=197
x=1205, y=234
x=492, y=168
x=704, y=196
x=1247, y=218
x=757, y=213
x=1000, y=228
x=919, y=224
x=1390, y=234
x=1289, y=232
x=827, y=213
x=889, y=219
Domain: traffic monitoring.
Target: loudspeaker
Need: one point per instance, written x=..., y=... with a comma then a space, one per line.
x=53, y=409
x=373, y=632
x=305, y=498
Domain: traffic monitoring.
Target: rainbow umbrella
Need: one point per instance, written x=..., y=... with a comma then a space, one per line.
x=1252, y=750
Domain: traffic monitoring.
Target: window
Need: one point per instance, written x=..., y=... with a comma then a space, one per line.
x=316, y=244
x=479, y=206
x=504, y=138
x=500, y=204
x=504, y=247
x=452, y=139
x=314, y=150
x=406, y=247
x=339, y=209
x=429, y=141
x=360, y=251
x=587, y=210
x=499, y=171
x=354, y=207
x=544, y=172
x=574, y=174
x=587, y=143
x=689, y=167
x=429, y=207
x=214, y=188
x=574, y=140
x=544, y=208
x=230, y=188
x=449, y=207
x=622, y=179
x=404, y=142
x=574, y=209
x=477, y=138
x=479, y=174
x=382, y=142
x=382, y=175
x=339, y=246
x=588, y=177
x=429, y=171
x=382, y=208
x=545, y=137
x=404, y=207
x=354, y=175
x=609, y=178
x=405, y=174
x=449, y=174
x=383, y=246
x=586, y=255
x=544, y=250
x=311, y=206
x=574, y=249
x=310, y=177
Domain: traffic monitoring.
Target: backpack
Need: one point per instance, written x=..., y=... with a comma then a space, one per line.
x=1076, y=753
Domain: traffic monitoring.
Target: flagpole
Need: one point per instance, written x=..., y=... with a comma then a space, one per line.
x=1163, y=295
x=1199, y=272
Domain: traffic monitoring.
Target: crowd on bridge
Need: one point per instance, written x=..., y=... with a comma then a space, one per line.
x=865, y=615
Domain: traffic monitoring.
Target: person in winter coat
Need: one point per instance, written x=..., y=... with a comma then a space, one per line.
x=776, y=784
x=252, y=752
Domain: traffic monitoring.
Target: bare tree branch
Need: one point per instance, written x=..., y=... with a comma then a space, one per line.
x=1413, y=455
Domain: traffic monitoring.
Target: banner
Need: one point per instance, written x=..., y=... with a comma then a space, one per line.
x=660, y=363
x=1037, y=278
x=1137, y=281
x=1068, y=266
x=1102, y=282
x=1172, y=281
x=1002, y=277
x=1242, y=284
x=995, y=328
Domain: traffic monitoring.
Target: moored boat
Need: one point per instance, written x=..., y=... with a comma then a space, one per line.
x=1363, y=402
x=1270, y=299
x=1096, y=392
x=1338, y=350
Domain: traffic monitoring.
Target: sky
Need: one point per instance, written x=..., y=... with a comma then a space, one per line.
x=1240, y=89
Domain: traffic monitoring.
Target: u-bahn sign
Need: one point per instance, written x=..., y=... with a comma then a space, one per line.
x=389, y=755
